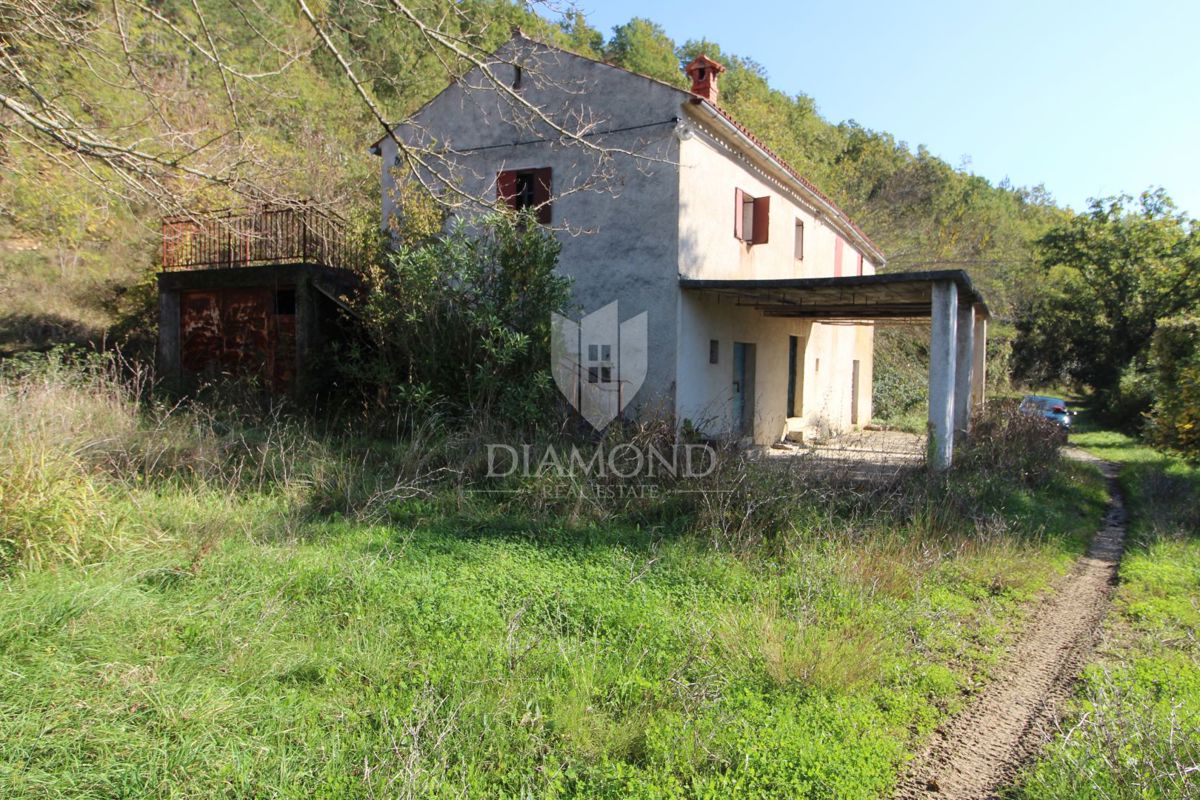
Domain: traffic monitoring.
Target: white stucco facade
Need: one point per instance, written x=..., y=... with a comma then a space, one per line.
x=659, y=206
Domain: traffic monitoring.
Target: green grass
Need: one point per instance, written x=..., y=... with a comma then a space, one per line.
x=1135, y=729
x=226, y=635
x=444, y=657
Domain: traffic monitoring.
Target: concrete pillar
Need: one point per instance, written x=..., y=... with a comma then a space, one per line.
x=168, y=355
x=964, y=356
x=979, y=362
x=941, y=373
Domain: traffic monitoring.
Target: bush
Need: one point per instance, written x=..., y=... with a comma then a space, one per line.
x=462, y=322
x=1009, y=443
x=80, y=433
x=1175, y=373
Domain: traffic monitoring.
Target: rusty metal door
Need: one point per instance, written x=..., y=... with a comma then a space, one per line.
x=236, y=332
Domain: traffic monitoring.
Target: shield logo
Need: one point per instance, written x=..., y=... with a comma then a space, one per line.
x=598, y=363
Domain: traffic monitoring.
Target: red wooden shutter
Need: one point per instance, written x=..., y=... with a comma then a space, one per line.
x=542, y=192
x=762, y=219
x=739, y=197
x=506, y=188
x=860, y=264
x=838, y=245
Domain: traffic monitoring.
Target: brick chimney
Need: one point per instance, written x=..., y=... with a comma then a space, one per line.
x=704, y=71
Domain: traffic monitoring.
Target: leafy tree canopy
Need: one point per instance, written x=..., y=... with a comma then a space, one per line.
x=1108, y=277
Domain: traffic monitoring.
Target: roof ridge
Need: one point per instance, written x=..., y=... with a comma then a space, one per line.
x=788, y=168
x=742, y=128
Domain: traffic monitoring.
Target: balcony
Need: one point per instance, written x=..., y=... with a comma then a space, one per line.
x=267, y=237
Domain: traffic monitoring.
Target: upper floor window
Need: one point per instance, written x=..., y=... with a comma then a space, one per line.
x=799, y=240
x=751, y=217
x=860, y=263
x=526, y=188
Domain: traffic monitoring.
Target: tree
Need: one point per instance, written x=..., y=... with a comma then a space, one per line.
x=1107, y=278
x=581, y=37
x=643, y=47
x=172, y=104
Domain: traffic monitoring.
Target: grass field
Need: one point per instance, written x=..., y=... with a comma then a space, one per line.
x=1134, y=731
x=196, y=608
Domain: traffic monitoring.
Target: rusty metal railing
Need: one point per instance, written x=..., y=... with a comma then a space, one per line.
x=303, y=235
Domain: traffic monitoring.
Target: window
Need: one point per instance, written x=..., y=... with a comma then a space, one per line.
x=526, y=188
x=799, y=240
x=714, y=351
x=860, y=263
x=518, y=75
x=751, y=217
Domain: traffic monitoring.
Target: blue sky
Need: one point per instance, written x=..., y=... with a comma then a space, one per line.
x=1088, y=98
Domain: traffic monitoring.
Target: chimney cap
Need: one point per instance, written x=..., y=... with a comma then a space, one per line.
x=704, y=71
x=701, y=62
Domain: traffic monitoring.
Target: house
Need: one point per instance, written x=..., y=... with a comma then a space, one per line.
x=760, y=294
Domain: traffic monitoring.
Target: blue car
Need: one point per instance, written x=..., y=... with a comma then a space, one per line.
x=1053, y=409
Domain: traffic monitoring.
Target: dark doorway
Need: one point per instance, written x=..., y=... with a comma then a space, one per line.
x=795, y=387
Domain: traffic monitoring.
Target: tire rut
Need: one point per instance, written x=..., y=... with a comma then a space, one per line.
x=977, y=752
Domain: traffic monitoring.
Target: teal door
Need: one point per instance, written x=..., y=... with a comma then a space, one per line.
x=743, y=389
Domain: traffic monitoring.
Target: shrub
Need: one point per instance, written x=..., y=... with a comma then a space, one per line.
x=462, y=322
x=1007, y=443
x=1175, y=372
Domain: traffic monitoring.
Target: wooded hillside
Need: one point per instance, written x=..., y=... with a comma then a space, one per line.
x=117, y=112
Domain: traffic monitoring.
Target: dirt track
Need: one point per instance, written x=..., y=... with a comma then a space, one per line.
x=975, y=753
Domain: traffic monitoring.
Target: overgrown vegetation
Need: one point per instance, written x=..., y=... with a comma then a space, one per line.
x=1175, y=380
x=1110, y=277
x=461, y=322
x=247, y=606
x=203, y=600
x=1135, y=729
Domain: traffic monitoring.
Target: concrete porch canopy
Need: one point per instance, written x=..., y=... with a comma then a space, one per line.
x=958, y=318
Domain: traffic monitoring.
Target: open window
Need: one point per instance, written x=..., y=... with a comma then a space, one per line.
x=751, y=217
x=799, y=240
x=526, y=188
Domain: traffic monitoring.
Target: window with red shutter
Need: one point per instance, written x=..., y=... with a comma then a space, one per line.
x=751, y=217
x=520, y=189
x=860, y=263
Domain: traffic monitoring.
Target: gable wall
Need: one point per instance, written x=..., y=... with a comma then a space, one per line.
x=615, y=217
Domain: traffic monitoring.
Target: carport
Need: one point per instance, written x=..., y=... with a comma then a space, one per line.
x=958, y=328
